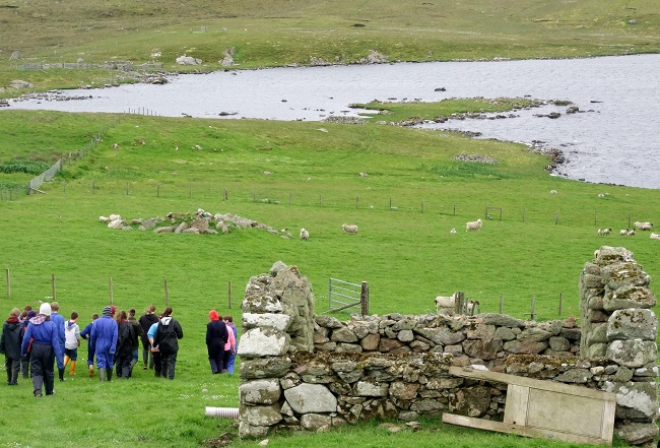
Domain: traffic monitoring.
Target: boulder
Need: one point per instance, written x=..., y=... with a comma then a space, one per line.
x=271, y=320
x=260, y=415
x=188, y=60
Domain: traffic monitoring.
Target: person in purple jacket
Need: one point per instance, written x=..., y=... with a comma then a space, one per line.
x=104, y=340
x=42, y=337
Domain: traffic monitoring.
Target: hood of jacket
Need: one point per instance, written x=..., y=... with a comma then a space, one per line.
x=70, y=325
x=38, y=319
x=166, y=320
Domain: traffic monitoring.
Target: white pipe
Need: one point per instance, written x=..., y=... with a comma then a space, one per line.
x=222, y=412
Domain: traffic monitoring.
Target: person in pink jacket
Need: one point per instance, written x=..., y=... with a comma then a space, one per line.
x=230, y=346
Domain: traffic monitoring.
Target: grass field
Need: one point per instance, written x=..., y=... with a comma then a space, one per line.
x=414, y=194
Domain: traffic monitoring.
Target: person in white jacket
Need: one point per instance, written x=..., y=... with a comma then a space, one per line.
x=71, y=342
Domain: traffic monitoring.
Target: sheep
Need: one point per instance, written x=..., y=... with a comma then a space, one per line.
x=603, y=232
x=643, y=225
x=351, y=229
x=304, y=234
x=655, y=236
x=446, y=302
x=623, y=232
x=116, y=224
x=114, y=217
x=453, y=231
x=631, y=232
x=471, y=307
x=473, y=225
x=104, y=219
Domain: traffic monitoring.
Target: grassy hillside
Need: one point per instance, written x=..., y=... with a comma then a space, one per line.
x=279, y=32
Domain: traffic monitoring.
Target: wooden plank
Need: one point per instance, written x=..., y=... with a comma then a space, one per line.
x=609, y=412
x=515, y=409
x=484, y=375
x=490, y=425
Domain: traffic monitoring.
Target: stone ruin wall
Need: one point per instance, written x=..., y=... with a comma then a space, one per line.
x=305, y=372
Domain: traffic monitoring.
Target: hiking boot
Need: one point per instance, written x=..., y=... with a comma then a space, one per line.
x=102, y=374
x=37, y=393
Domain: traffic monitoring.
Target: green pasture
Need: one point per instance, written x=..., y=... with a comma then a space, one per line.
x=413, y=195
x=279, y=32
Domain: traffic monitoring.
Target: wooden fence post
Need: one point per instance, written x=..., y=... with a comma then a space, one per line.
x=229, y=292
x=112, y=299
x=561, y=300
x=94, y=186
x=357, y=201
x=54, y=288
x=532, y=314
x=454, y=209
x=167, y=294
x=501, y=304
x=364, y=299
x=8, y=283
x=126, y=188
x=226, y=196
x=596, y=217
x=557, y=217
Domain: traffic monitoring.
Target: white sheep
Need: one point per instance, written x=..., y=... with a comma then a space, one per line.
x=643, y=225
x=471, y=308
x=631, y=232
x=117, y=224
x=104, y=219
x=453, y=231
x=351, y=229
x=473, y=225
x=114, y=217
x=655, y=236
x=603, y=232
x=304, y=234
x=623, y=232
x=446, y=302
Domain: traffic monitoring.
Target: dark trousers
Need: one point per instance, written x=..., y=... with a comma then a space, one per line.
x=167, y=361
x=157, y=363
x=123, y=363
x=147, y=356
x=13, y=366
x=42, y=360
x=217, y=361
x=25, y=366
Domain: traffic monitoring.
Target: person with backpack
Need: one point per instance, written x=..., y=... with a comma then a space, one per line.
x=125, y=341
x=10, y=346
x=146, y=321
x=167, y=339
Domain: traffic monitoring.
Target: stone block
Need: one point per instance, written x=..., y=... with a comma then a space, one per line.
x=274, y=320
x=311, y=398
x=260, y=391
x=316, y=422
x=260, y=415
x=260, y=342
x=633, y=352
x=632, y=324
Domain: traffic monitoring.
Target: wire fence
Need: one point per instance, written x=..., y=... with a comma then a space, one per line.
x=125, y=66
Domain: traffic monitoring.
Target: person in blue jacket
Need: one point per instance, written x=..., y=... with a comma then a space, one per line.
x=104, y=339
x=58, y=320
x=42, y=337
x=86, y=335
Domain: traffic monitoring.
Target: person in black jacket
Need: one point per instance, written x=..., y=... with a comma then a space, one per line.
x=216, y=338
x=10, y=346
x=167, y=339
x=125, y=341
x=146, y=321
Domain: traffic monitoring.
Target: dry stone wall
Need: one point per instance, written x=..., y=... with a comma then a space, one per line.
x=301, y=371
x=619, y=325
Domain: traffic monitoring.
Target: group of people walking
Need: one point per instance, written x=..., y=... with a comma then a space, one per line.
x=33, y=342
